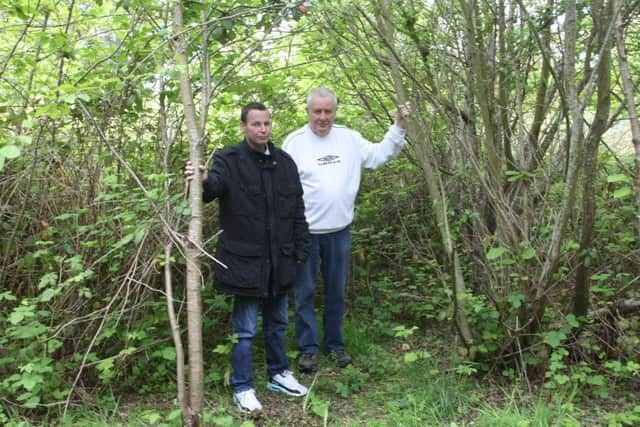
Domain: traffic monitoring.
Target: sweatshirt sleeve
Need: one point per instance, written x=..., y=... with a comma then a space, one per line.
x=376, y=155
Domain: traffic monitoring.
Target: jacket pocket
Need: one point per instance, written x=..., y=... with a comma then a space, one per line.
x=287, y=266
x=287, y=196
x=245, y=264
x=248, y=201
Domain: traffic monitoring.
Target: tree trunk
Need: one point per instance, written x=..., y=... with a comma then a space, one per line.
x=575, y=142
x=425, y=157
x=192, y=251
x=534, y=155
x=482, y=83
x=627, y=87
x=602, y=15
x=168, y=246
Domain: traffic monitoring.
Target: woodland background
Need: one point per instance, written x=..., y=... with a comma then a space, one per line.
x=496, y=263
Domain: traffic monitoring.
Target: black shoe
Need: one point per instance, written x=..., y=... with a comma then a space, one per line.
x=308, y=362
x=341, y=358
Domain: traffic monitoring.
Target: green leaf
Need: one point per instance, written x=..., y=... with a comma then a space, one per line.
x=516, y=299
x=65, y=216
x=24, y=139
x=127, y=351
x=622, y=192
x=74, y=263
x=528, y=253
x=140, y=234
x=53, y=345
x=10, y=151
x=152, y=417
x=106, y=369
x=174, y=415
x=222, y=420
x=596, y=380
x=572, y=321
x=17, y=316
x=126, y=239
x=30, y=330
x=31, y=400
x=8, y=296
x=48, y=294
x=168, y=353
x=618, y=178
x=48, y=279
x=410, y=357
x=19, y=12
x=496, y=253
x=321, y=409
x=222, y=349
x=110, y=181
x=29, y=381
x=554, y=338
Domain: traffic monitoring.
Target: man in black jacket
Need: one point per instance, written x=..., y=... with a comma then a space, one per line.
x=264, y=236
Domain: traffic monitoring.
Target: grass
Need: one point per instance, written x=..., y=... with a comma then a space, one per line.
x=382, y=389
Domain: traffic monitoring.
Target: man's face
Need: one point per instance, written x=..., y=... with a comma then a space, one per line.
x=257, y=129
x=321, y=114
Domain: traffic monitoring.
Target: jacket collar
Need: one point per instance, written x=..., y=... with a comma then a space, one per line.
x=244, y=145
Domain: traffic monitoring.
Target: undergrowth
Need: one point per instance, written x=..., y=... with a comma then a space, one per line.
x=414, y=378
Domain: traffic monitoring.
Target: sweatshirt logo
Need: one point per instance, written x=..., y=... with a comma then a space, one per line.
x=328, y=160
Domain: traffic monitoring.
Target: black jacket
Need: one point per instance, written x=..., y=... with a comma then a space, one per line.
x=264, y=230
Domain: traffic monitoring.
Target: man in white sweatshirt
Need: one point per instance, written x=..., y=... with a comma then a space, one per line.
x=330, y=158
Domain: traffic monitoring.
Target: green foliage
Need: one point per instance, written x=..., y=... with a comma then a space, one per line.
x=350, y=381
x=378, y=362
x=626, y=418
x=518, y=414
x=220, y=368
x=318, y=407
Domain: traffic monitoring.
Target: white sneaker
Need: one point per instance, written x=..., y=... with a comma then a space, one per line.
x=246, y=401
x=286, y=383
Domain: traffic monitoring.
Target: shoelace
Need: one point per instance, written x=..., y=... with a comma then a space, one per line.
x=247, y=396
x=286, y=373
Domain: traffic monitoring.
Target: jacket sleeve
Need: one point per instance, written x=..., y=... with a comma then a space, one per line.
x=215, y=185
x=376, y=155
x=301, y=236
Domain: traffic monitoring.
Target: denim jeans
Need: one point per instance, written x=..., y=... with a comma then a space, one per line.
x=331, y=253
x=245, y=323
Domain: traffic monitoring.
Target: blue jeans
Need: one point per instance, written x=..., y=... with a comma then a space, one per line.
x=331, y=253
x=245, y=323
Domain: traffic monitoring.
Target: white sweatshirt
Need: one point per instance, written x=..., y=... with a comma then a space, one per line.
x=330, y=168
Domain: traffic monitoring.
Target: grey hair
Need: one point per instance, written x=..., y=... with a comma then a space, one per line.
x=322, y=92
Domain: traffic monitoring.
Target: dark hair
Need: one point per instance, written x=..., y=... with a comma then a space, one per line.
x=251, y=106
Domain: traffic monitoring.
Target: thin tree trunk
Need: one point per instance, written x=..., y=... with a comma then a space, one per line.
x=575, y=142
x=627, y=87
x=192, y=252
x=175, y=332
x=483, y=89
x=602, y=15
x=425, y=156
x=504, y=83
x=167, y=143
x=535, y=154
